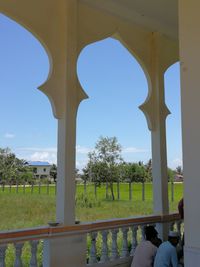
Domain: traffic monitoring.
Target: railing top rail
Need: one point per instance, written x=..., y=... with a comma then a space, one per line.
x=50, y=232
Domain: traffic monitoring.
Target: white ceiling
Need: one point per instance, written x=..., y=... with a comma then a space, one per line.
x=156, y=15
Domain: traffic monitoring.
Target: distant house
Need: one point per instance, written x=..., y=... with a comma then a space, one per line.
x=178, y=178
x=41, y=169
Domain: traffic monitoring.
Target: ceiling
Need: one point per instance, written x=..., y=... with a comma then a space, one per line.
x=156, y=15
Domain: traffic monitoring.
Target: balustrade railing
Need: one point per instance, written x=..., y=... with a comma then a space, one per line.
x=109, y=241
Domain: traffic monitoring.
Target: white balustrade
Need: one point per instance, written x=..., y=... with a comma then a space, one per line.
x=125, y=252
x=114, y=250
x=104, y=252
x=18, y=254
x=109, y=250
x=143, y=232
x=93, y=250
x=134, y=230
x=2, y=255
x=34, y=245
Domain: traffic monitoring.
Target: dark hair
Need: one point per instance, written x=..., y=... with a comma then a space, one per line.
x=150, y=232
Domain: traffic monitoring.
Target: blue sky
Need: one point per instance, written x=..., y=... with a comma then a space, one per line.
x=116, y=86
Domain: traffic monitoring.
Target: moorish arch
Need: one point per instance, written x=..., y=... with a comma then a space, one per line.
x=35, y=62
x=141, y=95
x=173, y=125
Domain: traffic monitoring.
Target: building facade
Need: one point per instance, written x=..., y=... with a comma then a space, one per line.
x=41, y=169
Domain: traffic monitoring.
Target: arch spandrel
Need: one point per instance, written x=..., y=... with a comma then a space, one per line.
x=44, y=18
x=156, y=52
x=35, y=17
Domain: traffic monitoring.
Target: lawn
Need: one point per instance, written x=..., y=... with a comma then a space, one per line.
x=24, y=207
x=33, y=208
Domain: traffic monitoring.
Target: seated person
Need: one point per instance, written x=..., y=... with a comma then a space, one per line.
x=146, y=250
x=166, y=255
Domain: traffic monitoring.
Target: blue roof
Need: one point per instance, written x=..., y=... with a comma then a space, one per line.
x=38, y=163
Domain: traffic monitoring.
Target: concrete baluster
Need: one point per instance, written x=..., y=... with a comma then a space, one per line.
x=104, y=251
x=134, y=230
x=2, y=255
x=33, y=261
x=93, y=250
x=143, y=232
x=125, y=252
x=18, y=253
x=114, y=250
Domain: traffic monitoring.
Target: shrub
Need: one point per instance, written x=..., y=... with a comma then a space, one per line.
x=87, y=201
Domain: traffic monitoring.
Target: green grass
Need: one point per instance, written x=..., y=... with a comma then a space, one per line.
x=26, y=209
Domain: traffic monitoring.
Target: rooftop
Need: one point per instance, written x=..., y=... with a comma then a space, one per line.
x=38, y=163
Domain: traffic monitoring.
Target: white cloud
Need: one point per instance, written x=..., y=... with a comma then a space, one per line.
x=82, y=150
x=9, y=135
x=50, y=154
x=176, y=162
x=37, y=154
x=80, y=164
x=36, y=149
x=44, y=156
x=133, y=150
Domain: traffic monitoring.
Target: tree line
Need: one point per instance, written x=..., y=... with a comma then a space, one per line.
x=14, y=170
x=106, y=165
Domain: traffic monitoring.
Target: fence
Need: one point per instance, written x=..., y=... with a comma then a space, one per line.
x=29, y=188
x=111, y=241
x=123, y=191
x=129, y=191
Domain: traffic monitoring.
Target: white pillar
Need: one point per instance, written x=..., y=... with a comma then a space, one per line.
x=156, y=112
x=159, y=157
x=65, y=198
x=159, y=170
x=63, y=251
x=189, y=38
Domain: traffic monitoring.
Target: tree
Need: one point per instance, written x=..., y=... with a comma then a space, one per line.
x=179, y=170
x=53, y=172
x=103, y=162
x=148, y=167
x=11, y=168
x=134, y=172
x=170, y=174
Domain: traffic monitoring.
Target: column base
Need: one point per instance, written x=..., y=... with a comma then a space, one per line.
x=65, y=251
x=191, y=256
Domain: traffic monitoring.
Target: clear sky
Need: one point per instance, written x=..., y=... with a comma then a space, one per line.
x=116, y=86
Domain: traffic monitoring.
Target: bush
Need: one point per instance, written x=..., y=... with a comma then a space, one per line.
x=87, y=201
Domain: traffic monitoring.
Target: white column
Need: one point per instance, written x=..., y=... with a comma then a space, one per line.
x=64, y=250
x=65, y=198
x=159, y=159
x=189, y=39
x=156, y=112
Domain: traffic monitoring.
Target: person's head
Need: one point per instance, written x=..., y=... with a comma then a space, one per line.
x=150, y=233
x=173, y=238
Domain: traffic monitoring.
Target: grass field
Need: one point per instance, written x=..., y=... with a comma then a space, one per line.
x=26, y=209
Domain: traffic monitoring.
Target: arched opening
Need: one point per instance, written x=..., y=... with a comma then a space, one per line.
x=173, y=134
x=27, y=124
x=116, y=86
